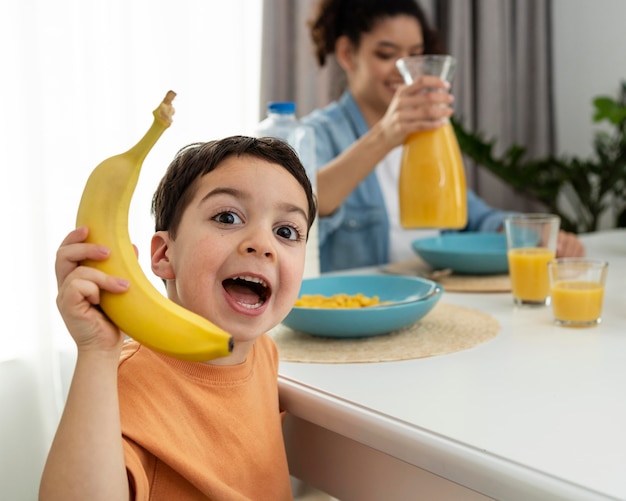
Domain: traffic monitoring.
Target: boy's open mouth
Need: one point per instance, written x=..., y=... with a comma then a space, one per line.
x=250, y=292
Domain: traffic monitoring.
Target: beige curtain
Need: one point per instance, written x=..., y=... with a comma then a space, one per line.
x=502, y=86
x=289, y=71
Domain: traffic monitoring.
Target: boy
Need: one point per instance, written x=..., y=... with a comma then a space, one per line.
x=232, y=218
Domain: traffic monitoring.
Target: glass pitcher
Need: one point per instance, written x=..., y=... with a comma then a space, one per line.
x=432, y=187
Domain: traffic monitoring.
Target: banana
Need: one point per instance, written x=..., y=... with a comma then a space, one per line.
x=142, y=311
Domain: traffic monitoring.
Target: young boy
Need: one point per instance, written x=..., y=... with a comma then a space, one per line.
x=232, y=218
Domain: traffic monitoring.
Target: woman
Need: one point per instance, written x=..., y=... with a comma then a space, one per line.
x=359, y=137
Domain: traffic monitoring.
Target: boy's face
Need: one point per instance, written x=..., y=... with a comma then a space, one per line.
x=238, y=256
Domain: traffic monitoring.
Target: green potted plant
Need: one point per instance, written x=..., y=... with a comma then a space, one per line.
x=589, y=186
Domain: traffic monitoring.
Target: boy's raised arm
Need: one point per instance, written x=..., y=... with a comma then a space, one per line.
x=86, y=460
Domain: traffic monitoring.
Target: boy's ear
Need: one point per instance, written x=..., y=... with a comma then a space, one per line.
x=344, y=52
x=159, y=246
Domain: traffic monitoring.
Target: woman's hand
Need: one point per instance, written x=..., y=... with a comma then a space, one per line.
x=79, y=293
x=569, y=245
x=426, y=104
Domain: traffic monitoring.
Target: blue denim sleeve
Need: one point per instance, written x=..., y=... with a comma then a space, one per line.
x=482, y=217
x=331, y=138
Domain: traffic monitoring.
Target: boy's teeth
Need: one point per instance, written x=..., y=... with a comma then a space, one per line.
x=252, y=279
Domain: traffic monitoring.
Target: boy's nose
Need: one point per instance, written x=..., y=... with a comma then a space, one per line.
x=260, y=243
x=252, y=250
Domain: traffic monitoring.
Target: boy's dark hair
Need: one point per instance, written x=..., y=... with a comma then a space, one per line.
x=352, y=18
x=177, y=187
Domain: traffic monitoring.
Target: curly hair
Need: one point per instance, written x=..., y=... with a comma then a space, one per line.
x=352, y=18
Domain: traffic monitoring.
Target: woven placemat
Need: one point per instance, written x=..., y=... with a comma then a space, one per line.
x=451, y=282
x=446, y=329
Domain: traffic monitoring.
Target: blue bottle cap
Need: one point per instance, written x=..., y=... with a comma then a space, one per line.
x=282, y=107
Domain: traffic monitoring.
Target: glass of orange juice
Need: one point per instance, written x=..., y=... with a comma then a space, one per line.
x=577, y=290
x=531, y=244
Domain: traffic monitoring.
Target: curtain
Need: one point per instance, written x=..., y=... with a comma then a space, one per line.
x=289, y=71
x=502, y=86
x=503, y=83
x=80, y=81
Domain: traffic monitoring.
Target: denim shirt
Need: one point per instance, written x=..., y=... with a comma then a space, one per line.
x=357, y=233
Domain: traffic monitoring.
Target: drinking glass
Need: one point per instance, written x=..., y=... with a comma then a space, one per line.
x=577, y=290
x=531, y=244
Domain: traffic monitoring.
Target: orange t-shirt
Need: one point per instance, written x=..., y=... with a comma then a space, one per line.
x=196, y=431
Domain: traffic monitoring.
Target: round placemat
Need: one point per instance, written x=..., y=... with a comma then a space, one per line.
x=476, y=283
x=446, y=329
x=451, y=282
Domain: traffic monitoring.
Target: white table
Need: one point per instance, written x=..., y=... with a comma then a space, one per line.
x=538, y=412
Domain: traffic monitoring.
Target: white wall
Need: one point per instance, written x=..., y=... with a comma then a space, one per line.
x=21, y=434
x=589, y=60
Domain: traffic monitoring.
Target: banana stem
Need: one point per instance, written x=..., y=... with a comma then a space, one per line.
x=162, y=120
x=165, y=109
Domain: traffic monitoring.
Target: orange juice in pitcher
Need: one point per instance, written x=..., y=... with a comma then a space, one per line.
x=432, y=185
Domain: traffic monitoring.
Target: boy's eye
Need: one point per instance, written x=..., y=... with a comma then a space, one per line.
x=287, y=232
x=227, y=218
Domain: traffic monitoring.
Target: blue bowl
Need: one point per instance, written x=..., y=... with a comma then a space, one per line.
x=465, y=253
x=405, y=295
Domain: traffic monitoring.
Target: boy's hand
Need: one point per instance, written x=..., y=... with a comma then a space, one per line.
x=79, y=294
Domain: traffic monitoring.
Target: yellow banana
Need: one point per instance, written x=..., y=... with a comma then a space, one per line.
x=142, y=311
